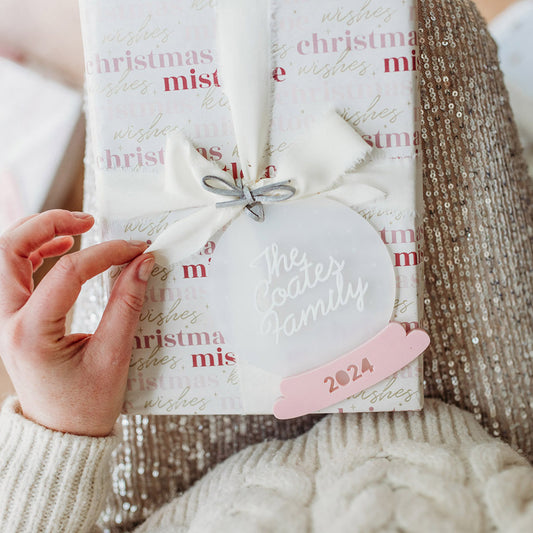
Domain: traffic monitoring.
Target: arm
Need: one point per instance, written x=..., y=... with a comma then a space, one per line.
x=55, y=443
x=49, y=481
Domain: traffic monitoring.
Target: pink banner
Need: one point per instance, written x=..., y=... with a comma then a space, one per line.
x=383, y=355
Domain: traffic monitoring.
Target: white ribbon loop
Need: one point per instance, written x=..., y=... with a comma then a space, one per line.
x=316, y=163
x=244, y=61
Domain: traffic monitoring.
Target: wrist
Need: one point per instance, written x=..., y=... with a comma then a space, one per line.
x=67, y=473
x=75, y=422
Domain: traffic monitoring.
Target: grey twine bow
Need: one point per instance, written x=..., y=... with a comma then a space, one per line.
x=252, y=199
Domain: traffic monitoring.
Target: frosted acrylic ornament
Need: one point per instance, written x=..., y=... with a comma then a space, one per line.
x=310, y=283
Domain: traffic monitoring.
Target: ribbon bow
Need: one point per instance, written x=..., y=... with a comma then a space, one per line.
x=252, y=199
x=316, y=163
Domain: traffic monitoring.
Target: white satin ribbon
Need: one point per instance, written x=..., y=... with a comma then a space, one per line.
x=315, y=164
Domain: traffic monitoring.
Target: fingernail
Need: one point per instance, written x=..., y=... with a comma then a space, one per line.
x=79, y=214
x=138, y=244
x=145, y=269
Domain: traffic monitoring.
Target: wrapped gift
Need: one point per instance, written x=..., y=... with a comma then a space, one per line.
x=42, y=137
x=269, y=153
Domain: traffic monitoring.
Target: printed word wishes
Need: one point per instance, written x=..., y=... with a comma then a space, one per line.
x=389, y=392
x=154, y=360
x=184, y=400
x=368, y=11
x=174, y=314
x=300, y=276
x=147, y=227
x=147, y=31
x=372, y=112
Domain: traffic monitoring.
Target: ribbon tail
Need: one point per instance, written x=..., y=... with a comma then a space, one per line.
x=122, y=194
x=396, y=180
x=244, y=44
x=357, y=193
x=186, y=236
x=318, y=160
x=185, y=169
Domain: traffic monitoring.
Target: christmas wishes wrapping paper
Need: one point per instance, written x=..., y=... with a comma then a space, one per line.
x=334, y=148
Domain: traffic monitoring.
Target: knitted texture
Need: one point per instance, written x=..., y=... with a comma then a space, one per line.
x=478, y=257
x=49, y=481
x=434, y=470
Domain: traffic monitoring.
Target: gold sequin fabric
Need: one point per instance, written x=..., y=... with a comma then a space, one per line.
x=478, y=228
x=478, y=269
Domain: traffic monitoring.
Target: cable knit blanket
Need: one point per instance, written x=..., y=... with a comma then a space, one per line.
x=430, y=471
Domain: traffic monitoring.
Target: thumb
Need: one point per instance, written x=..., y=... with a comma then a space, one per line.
x=121, y=316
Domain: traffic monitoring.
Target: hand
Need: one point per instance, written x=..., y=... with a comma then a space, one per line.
x=70, y=383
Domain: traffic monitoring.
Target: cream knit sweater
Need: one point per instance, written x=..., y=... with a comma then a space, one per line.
x=430, y=471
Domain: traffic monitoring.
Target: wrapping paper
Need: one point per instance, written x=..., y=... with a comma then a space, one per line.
x=152, y=71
